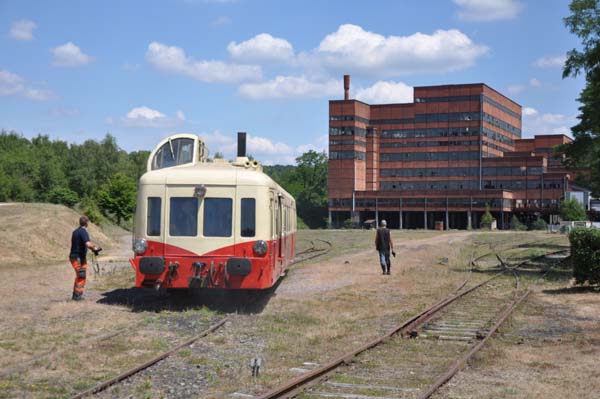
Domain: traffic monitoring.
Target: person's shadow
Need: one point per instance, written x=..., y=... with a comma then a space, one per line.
x=221, y=300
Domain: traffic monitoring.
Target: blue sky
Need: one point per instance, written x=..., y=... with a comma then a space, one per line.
x=142, y=70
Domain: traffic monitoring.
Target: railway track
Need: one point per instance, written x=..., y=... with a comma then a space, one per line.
x=444, y=337
x=312, y=252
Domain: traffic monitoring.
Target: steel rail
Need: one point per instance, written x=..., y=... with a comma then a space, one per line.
x=134, y=370
x=456, y=367
x=297, y=385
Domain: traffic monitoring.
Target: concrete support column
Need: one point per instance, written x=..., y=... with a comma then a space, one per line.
x=377, y=218
x=447, y=225
x=501, y=220
x=401, y=220
x=469, y=224
x=329, y=219
x=425, y=219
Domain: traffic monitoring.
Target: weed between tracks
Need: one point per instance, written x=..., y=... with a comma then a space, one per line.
x=325, y=307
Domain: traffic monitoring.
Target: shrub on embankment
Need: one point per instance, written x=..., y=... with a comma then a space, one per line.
x=585, y=254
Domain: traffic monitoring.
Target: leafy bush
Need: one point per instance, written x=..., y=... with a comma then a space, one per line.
x=539, y=224
x=64, y=196
x=347, y=224
x=571, y=209
x=515, y=224
x=487, y=219
x=90, y=209
x=585, y=253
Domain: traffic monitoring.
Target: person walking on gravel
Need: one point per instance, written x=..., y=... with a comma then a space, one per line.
x=384, y=244
x=80, y=242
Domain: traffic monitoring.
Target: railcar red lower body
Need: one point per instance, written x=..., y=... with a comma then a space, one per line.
x=232, y=267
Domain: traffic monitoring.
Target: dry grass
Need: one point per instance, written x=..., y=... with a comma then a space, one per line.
x=323, y=308
x=34, y=234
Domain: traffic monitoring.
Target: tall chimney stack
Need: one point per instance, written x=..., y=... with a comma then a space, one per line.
x=346, y=87
x=241, y=144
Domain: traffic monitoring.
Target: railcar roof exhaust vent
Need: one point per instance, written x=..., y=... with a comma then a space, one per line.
x=241, y=150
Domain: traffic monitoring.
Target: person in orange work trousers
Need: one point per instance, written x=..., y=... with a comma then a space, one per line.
x=80, y=242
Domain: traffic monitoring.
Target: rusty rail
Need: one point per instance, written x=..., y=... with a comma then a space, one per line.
x=132, y=371
x=295, y=386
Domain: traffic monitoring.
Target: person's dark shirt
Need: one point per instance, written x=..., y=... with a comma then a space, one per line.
x=382, y=242
x=78, y=239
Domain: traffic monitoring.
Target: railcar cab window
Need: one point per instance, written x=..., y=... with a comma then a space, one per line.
x=183, y=217
x=217, y=217
x=174, y=152
x=153, y=220
x=248, y=217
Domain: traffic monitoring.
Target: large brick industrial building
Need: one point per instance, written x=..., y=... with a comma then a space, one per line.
x=440, y=159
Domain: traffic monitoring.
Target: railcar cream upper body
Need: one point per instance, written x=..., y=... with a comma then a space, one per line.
x=194, y=212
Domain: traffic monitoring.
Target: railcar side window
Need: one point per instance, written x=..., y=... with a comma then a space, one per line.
x=183, y=217
x=248, y=217
x=174, y=152
x=217, y=217
x=154, y=216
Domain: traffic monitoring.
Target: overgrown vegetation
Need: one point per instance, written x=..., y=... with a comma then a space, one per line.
x=572, y=210
x=585, y=254
x=487, y=219
x=307, y=182
x=97, y=177
x=515, y=224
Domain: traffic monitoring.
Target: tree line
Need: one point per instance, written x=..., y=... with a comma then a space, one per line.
x=97, y=177
x=100, y=179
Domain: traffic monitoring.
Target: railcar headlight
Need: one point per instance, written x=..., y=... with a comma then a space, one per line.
x=260, y=247
x=139, y=246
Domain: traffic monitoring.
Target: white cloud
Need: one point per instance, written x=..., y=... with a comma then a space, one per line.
x=12, y=84
x=38, y=95
x=22, y=29
x=488, y=10
x=262, y=48
x=150, y=118
x=546, y=123
x=144, y=113
x=384, y=92
x=355, y=50
x=265, y=150
x=173, y=59
x=221, y=21
x=550, y=62
x=290, y=87
x=70, y=56
x=518, y=88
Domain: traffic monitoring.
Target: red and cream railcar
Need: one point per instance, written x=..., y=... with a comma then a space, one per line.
x=210, y=224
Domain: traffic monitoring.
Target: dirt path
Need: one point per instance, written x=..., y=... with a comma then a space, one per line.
x=363, y=267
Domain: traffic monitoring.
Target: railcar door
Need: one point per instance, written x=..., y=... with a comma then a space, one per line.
x=199, y=225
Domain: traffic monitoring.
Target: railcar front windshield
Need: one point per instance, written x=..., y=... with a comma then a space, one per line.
x=174, y=152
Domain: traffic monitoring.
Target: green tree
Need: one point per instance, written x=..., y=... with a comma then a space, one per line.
x=584, y=22
x=487, y=219
x=572, y=210
x=117, y=197
x=515, y=224
x=64, y=196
